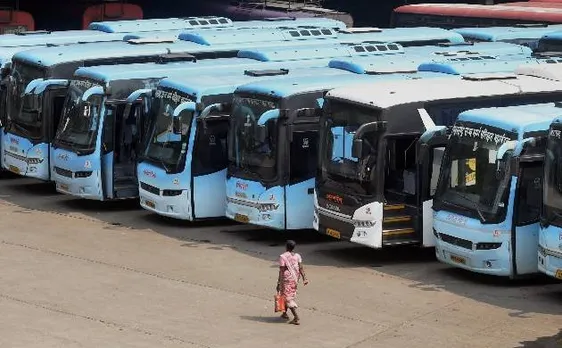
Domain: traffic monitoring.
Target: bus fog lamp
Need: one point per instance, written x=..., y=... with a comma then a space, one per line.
x=488, y=264
x=266, y=217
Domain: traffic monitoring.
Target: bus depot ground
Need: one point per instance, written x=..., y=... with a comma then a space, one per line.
x=77, y=273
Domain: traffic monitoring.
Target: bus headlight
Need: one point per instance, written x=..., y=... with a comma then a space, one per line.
x=171, y=192
x=34, y=160
x=263, y=207
x=83, y=174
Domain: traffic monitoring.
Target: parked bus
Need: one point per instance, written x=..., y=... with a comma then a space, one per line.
x=374, y=186
x=115, y=10
x=76, y=138
x=517, y=34
x=471, y=15
x=489, y=194
x=153, y=197
x=39, y=78
x=287, y=173
x=13, y=21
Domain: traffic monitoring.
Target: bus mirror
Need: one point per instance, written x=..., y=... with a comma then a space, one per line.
x=357, y=148
x=176, y=125
x=186, y=106
x=508, y=146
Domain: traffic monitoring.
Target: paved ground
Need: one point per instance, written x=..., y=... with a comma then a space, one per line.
x=85, y=274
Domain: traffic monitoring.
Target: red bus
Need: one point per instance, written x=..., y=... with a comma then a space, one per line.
x=469, y=15
x=15, y=21
x=108, y=11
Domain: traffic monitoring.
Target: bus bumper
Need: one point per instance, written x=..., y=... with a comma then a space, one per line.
x=86, y=188
x=176, y=207
x=550, y=262
x=495, y=262
x=255, y=213
x=33, y=167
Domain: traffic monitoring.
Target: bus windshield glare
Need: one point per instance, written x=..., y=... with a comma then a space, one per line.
x=473, y=182
x=78, y=128
x=169, y=135
x=249, y=156
x=553, y=179
x=23, y=114
x=357, y=175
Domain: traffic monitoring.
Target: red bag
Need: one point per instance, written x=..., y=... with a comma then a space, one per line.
x=279, y=303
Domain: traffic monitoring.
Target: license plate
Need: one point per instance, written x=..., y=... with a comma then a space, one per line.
x=63, y=187
x=241, y=218
x=150, y=204
x=558, y=274
x=458, y=259
x=333, y=233
x=14, y=169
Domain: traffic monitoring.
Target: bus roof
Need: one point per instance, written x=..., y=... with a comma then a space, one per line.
x=139, y=25
x=523, y=118
x=392, y=93
x=198, y=85
x=477, y=67
x=551, y=72
x=494, y=34
x=292, y=22
x=521, y=13
x=321, y=51
x=45, y=38
x=404, y=36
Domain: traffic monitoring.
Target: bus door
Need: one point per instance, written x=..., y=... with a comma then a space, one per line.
x=117, y=10
x=53, y=103
x=526, y=211
x=303, y=160
x=430, y=149
x=209, y=161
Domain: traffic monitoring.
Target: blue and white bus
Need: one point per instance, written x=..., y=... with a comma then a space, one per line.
x=518, y=34
x=113, y=87
x=489, y=194
x=289, y=175
x=396, y=141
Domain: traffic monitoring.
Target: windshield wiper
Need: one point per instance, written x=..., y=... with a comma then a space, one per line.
x=475, y=205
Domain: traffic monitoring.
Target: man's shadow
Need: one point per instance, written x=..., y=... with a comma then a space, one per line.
x=264, y=319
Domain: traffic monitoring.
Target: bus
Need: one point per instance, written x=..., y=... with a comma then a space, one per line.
x=517, y=34
x=115, y=10
x=151, y=196
x=377, y=174
x=550, y=234
x=131, y=85
x=489, y=194
x=39, y=78
x=288, y=173
x=12, y=21
x=472, y=15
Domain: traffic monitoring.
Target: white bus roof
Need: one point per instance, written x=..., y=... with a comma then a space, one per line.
x=386, y=94
x=548, y=71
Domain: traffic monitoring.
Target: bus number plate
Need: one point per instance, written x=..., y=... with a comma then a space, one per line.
x=241, y=218
x=14, y=169
x=150, y=204
x=333, y=233
x=558, y=274
x=458, y=259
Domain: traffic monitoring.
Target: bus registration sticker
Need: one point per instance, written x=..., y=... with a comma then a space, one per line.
x=558, y=274
x=333, y=233
x=14, y=169
x=458, y=259
x=241, y=218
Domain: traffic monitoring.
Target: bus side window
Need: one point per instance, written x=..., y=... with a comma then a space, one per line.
x=304, y=156
x=107, y=135
x=210, y=155
x=529, y=194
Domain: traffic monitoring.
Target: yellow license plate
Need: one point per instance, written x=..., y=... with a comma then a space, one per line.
x=14, y=169
x=150, y=204
x=458, y=259
x=241, y=218
x=333, y=233
x=558, y=274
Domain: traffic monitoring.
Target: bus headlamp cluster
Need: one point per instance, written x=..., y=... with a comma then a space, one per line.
x=364, y=223
x=267, y=207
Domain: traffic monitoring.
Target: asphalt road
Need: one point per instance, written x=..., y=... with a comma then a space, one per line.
x=78, y=273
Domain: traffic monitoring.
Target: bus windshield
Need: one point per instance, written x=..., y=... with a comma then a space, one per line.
x=553, y=179
x=473, y=182
x=169, y=136
x=22, y=112
x=356, y=176
x=78, y=128
x=249, y=157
